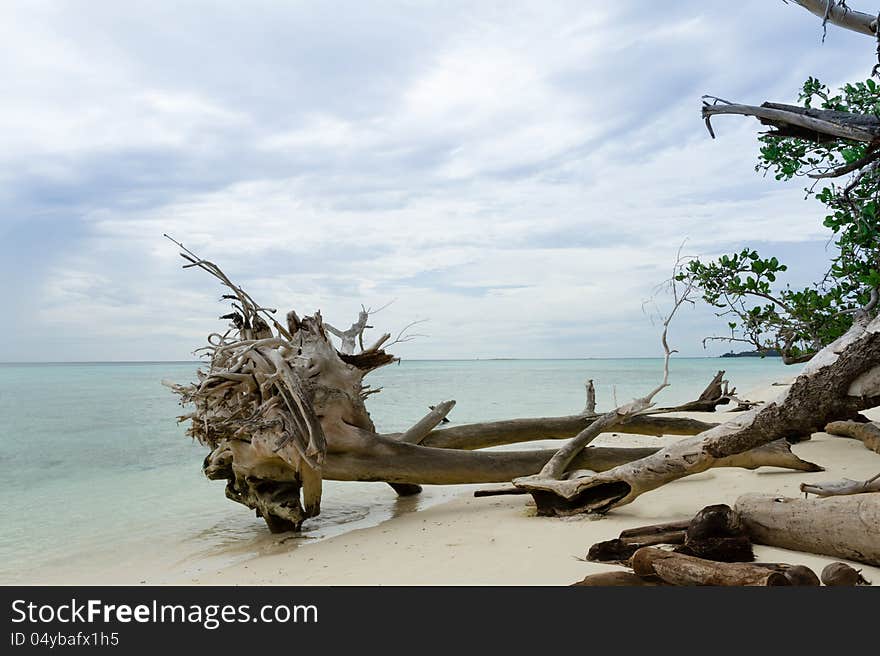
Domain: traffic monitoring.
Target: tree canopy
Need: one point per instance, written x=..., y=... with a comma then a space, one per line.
x=747, y=289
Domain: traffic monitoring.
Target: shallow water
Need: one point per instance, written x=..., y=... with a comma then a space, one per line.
x=100, y=477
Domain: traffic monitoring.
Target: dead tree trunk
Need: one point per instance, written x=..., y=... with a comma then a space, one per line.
x=844, y=527
x=590, y=405
x=715, y=533
x=793, y=121
x=283, y=409
x=513, y=431
x=680, y=569
x=842, y=379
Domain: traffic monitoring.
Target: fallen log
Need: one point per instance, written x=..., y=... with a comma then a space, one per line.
x=838, y=382
x=841, y=527
x=868, y=433
x=714, y=533
x=378, y=459
x=282, y=409
x=621, y=550
x=680, y=569
x=513, y=431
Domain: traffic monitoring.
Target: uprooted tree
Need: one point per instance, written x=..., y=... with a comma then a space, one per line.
x=283, y=409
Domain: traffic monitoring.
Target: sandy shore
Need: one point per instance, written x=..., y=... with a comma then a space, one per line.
x=499, y=540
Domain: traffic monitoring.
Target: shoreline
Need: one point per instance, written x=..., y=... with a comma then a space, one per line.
x=458, y=539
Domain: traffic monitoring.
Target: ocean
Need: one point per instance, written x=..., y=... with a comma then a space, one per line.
x=101, y=479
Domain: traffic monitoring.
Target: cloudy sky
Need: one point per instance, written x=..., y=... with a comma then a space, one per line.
x=519, y=174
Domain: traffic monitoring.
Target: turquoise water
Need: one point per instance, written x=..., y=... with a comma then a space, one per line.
x=98, y=474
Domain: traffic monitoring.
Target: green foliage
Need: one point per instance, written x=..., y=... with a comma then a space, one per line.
x=743, y=286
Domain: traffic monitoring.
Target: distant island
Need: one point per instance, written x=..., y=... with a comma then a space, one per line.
x=771, y=353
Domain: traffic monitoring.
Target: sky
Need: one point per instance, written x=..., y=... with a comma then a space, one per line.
x=520, y=175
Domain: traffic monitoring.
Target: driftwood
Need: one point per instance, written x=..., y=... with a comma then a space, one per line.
x=617, y=579
x=801, y=575
x=845, y=527
x=419, y=431
x=622, y=548
x=680, y=569
x=840, y=380
x=282, y=409
x=842, y=487
x=841, y=574
x=715, y=533
x=868, y=433
x=354, y=333
x=513, y=431
x=590, y=405
x=716, y=393
x=805, y=123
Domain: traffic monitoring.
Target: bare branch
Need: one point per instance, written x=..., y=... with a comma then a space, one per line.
x=837, y=13
x=817, y=123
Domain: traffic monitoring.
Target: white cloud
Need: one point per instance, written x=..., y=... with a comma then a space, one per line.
x=522, y=176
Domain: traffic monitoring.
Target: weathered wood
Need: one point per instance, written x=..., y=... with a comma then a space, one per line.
x=498, y=492
x=284, y=410
x=841, y=527
x=590, y=405
x=837, y=383
x=709, y=399
x=802, y=575
x=868, y=433
x=419, y=431
x=842, y=487
x=680, y=569
x=616, y=579
x=820, y=122
x=841, y=574
x=714, y=533
x=837, y=13
x=622, y=549
x=656, y=529
x=353, y=333
x=378, y=459
x=513, y=431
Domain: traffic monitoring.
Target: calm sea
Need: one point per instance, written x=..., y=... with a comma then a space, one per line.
x=100, y=477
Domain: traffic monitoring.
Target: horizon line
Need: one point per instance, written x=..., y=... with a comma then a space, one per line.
x=474, y=359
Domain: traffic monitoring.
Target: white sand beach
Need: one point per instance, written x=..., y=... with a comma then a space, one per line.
x=499, y=541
